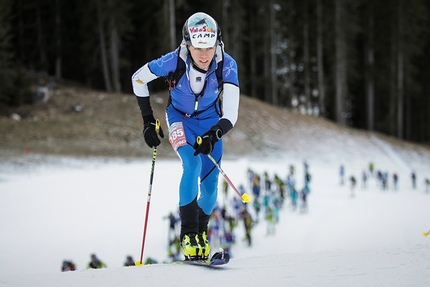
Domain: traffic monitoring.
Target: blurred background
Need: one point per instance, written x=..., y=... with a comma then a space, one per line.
x=359, y=63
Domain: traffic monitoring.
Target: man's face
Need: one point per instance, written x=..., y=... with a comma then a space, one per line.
x=202, y=56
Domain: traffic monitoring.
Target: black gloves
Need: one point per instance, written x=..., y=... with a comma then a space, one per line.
x=208, y=140
x=149, y=132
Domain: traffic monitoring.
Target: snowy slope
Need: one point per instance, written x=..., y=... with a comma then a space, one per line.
x=408, y=266
x=68, y=209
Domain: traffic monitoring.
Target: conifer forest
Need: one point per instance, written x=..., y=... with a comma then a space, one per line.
x=360, y=63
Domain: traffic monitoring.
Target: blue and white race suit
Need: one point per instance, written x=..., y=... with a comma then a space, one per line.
x=190, y=115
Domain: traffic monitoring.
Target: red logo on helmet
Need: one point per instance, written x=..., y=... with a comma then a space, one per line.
x=202, y=29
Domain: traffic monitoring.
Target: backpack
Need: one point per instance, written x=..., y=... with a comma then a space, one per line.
x=173, y=78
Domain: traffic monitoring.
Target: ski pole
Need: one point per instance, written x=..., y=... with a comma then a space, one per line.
x=148, y=202
x=245, y=197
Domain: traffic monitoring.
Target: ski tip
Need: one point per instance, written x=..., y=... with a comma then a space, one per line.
x=220, y=257
x=425, y=234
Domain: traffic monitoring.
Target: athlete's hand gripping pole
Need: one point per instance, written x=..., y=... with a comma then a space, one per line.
x=148, y=202
x=245, y=197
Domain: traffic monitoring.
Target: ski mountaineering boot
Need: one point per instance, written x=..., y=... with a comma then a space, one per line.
x=189, y=230
x=203, y=232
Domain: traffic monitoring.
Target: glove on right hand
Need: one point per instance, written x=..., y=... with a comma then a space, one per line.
x=150, y=133
x=208, y=141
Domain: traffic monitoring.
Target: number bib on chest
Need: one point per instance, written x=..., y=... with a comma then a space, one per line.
x=177, y=135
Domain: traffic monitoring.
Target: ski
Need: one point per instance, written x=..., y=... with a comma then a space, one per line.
x=218, y=259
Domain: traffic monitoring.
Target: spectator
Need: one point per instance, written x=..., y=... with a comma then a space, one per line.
x=129, y=261
x=68, y=266
x=341, y=174
x=95, y=263
x=414, y=179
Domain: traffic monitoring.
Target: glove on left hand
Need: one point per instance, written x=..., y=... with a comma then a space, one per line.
x=208, y=141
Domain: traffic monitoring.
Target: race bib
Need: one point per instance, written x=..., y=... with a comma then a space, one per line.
x=177, y=135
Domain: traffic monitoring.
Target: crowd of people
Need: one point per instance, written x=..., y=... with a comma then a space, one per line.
x=270, y=194
x=383, y=179
x=96, y=263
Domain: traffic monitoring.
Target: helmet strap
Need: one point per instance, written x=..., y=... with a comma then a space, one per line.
x=193, y=63
x=197, y=68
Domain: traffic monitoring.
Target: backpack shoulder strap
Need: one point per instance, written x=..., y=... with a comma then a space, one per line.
x=218, y=73
x=220, y=80
x=173, y=77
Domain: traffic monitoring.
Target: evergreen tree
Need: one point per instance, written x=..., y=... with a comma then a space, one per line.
x=13, y=92
x=369, y=68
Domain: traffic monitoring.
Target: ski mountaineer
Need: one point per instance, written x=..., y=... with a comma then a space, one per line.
x=194, y=109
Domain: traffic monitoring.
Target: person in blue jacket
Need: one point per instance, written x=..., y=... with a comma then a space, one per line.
x=201, y=104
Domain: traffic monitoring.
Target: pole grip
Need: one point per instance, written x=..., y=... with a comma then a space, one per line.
x=157, y=125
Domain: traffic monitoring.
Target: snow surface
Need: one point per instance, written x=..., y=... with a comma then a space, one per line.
x=69, y=209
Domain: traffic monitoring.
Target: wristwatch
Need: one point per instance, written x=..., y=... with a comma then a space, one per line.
x=218, y=134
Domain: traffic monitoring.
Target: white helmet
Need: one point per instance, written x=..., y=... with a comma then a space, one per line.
x=201, y=31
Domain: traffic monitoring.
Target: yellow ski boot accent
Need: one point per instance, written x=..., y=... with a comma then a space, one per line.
x=191, y=247
x=205, y=246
